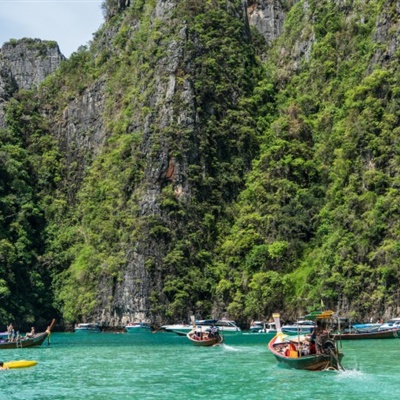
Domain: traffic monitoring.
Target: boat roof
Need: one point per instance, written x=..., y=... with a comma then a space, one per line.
x=393, y=320
x=327, y=314
x=301, y=322
x=215, y=322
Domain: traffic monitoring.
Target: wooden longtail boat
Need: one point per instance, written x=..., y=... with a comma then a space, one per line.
x=210, y=337
x=386, y=334
x=35, y=340
x=298, y=353
x=204, y=338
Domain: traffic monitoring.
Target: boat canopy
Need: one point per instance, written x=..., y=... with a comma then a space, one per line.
x=327, y=314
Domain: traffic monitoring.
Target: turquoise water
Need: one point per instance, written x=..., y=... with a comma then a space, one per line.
x=167, y=366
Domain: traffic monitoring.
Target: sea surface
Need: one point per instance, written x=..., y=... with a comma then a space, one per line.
x=166, y=366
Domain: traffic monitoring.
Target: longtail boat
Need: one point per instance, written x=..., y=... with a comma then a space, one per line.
x=299, y=352
x=204, y=338
x=386, y=334
x=28, y=341
x=209, y=337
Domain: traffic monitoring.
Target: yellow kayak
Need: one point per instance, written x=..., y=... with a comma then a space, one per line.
x=20, y=364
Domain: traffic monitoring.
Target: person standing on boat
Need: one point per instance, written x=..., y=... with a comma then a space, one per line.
x=10, y=331
x=31, y=333
x=317, y=336
x=212, y=331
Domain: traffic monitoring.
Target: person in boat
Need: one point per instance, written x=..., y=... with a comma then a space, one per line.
x=10, y=331
x=198, y=335
x=31, y=334
x=213, y=331
x=2, y=366
x=305, y=350
x=318, y=336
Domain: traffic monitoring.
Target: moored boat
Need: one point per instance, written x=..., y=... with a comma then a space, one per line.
x=299, y=352
x=262, y=327
x=390, y=324
x=393, y=333
x=28, y=341
x=300, y=327
x=87, y=327
x=364, y=328
x=256, y=326
x=138, y=327
x=224, y=325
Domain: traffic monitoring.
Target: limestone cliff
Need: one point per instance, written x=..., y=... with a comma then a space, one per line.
x=24, y=64
x=174, y=143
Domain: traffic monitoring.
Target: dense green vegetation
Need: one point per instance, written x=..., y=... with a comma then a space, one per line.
x=316, y=221
x=28, y=175
x=284, y=190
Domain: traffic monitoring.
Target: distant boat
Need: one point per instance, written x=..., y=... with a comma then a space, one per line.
x=364, y=328
x=300, y=327
x=393, y=333
x=390, y=324
x=298, y=353
x=87, y=327
x=256, y=326
x=28, y=341
x=138, y=327
x=224, y=325
x=262, y=327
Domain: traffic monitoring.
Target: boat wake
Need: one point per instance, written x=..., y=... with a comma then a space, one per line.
x=351, y=373
x=226, y=347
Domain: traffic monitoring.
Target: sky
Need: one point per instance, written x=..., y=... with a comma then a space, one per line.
x=71, y=23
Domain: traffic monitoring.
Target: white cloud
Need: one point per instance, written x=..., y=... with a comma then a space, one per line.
x=70, y=23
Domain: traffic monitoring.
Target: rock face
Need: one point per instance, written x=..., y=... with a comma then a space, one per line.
x=387, y=34
x=174, y=83
x=30, y=60
x=80, y=131
x=130, y=295
x=24, y=64
x=267, y=16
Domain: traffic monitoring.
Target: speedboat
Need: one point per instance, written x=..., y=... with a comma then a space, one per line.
x=256, y=326
x=262, y=327
x=300, y=327
x=224, y=326
x=363, y=328
x=269, y=328
x=88, y=327
x=138, y=327
x=390, y=324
